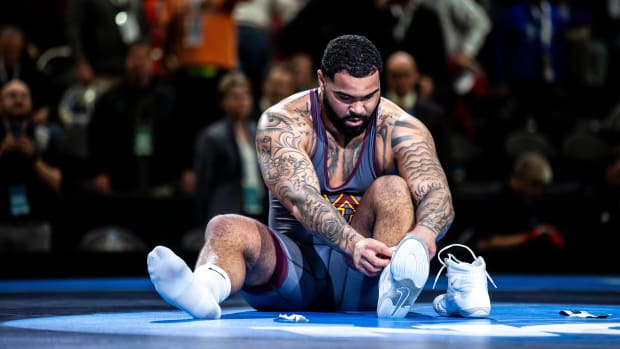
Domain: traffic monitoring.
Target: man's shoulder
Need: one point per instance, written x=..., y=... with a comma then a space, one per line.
x=389, y=112
x=296, y=106
x=294, y=101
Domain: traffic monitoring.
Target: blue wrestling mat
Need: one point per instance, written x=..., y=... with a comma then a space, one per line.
x=527, y=311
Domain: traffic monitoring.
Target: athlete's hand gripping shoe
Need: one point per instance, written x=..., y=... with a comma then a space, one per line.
x=403, y=279
x=467, y=294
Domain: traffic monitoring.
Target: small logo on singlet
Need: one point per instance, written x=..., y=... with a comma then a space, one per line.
x=346, y=204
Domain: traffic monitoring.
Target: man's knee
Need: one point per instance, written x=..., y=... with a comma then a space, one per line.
x=222, y=225
x=232, y=228
x=390, y=188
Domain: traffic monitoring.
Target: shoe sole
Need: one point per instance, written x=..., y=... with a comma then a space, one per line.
x=406, y=282
x=471, y=313
x=474, y=312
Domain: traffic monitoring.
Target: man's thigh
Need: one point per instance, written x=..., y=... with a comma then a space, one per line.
x=313, y=277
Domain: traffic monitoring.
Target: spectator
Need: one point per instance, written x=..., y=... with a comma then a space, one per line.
x=202, y=48
x=258, y=21
x=518, y=220
x=319, y=21
x=41, y=21
x=227, y=174
x=303, y=69
x=530, y=51
x=99, y=33
x=402, y=85
x=138, y=114
x=16, y=63
x=465, y=26
x=413, y=17
x=278, y=85
x=30, y=177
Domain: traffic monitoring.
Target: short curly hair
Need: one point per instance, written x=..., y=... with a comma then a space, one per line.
x=354, y=54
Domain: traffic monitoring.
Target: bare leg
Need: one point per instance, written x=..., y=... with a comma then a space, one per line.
x=237, y=250
x=386, y=212
x=242, y=246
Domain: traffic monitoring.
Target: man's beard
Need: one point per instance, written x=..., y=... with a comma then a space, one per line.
x=341, y=123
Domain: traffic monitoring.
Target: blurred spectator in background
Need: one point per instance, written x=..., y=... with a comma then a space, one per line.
x=132, y=133
x=465, y=26
x=277, y=85
x=17, y=63
x=303, y=69
x=319, y=21
x=30, y=178
x=202, y=47
x=402, y=85
x=156, y=16
x=411, y=18
x=258, y=22
x=99, y=33
x=41, y=21
x=531, y=59
x=227, y=174
x=517, y=220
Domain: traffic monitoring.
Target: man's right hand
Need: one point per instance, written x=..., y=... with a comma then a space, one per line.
x=370, y=256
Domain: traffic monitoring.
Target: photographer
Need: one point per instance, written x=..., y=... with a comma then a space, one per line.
x=29, y=177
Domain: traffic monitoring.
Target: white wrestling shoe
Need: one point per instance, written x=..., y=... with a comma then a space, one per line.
x=403, y=279
x=467, y=294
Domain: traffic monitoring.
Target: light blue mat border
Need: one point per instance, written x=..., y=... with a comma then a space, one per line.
x=504, y=282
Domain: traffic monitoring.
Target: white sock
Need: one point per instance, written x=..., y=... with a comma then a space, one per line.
x=216, y=278
x=177, y=285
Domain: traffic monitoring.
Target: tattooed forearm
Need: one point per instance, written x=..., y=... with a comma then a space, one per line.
x=320, y=216
x=308, y=206
x=289, y=175
x=418, y=163
x=435, y=212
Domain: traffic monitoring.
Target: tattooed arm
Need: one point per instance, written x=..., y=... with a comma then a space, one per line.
x=416, y=158
x=282, y=143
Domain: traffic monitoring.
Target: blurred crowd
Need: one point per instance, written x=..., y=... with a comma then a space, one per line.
x=160, y=98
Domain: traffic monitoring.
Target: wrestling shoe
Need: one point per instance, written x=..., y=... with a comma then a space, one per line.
x=467, y=294
x=403, y=279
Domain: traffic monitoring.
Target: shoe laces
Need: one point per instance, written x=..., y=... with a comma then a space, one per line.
x=451, y=257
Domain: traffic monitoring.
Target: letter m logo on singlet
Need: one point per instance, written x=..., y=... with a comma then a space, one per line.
x=346, y=204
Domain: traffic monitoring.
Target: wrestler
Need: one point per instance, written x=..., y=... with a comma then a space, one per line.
x=358, y=200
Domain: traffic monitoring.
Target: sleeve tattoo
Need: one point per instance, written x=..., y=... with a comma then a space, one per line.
x=290, y=176
x=418, y=164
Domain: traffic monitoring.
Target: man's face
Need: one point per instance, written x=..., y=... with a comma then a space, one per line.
x=278, y=85
x=237, y=102
x=401, y=75
x=138, y=65
x=350, y=103
x=15, y=99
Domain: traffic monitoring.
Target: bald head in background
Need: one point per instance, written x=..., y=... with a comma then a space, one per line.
x=404, y=81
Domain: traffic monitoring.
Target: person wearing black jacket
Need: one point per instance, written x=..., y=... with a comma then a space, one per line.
x=30, y=178
x=228, y=179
